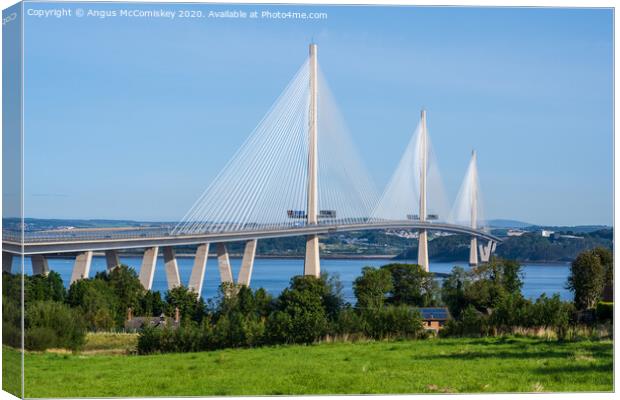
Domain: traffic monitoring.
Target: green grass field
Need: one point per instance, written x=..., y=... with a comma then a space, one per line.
x=438, y=365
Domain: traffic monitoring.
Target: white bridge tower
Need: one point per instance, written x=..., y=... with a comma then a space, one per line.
x=423, y=234
x=312, y=265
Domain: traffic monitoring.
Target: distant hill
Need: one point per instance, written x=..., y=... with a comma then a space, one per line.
x=535, y=247
x=574, y=229
x=530, y=247
x=508, y=223
x=514, y=224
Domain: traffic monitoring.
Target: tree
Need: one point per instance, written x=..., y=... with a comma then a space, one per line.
x=586, y=279
x=301, y=315
x=44, y=287
x=453, y=291
x=152, y=304
x=97, y=301
x=372, y=287
x=127, y=289
x=412, y=285
x=552, y=313
x=53, y=324
x=240, y=316
x=392, y=321
x=491, y=283
x=190, y=305
x=607, y=261
x=511, y=275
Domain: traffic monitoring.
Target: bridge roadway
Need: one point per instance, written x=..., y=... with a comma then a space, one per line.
x=51, y=245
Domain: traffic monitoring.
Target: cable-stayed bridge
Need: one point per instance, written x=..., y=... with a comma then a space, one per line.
x=297, y=174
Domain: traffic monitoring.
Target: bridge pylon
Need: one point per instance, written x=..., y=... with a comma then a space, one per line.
x=423, y=233
x=312, y=265
x=473, y=245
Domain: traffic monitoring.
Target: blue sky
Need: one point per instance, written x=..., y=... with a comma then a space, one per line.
x=132, y=118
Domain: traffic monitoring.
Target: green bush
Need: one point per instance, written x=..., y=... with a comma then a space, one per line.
x=237, y=330
x=305, y=310
x=96, y=301
x=44, y=287
x=127, y=289
x=471, y=324
x=52, y=324
x=605, y=311
x=372, y=287
x=149, y=340
x=11, y=322
x=392, y=322
x=348, y=322
x=412, y=286
x=552, y=313
x=190, y=305
x=513, y=310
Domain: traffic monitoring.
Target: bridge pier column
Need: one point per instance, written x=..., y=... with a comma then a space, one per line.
x=147, y=270
x=196, y=279
x=223, y=261
x=172, y=268
x=112, y=260
x=39, y=265
x=473, y=245
x=423, y=233
x=423, y=249
x=312, y=263
x=7, y=262
x=473, y=252
x=486, y=251
x=247, y=263
x=81, y=268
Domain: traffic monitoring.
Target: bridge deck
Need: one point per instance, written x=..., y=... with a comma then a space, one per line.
x=64, y=242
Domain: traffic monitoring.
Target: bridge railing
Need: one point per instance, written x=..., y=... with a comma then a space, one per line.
x=92, y=234
x=83, y=234
x=88, y=234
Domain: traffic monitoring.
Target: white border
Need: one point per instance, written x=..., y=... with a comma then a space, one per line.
x=484, y=3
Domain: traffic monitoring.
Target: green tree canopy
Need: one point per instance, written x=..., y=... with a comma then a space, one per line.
x=587, y=279
x=453, y=291
x=124, y=283
x=97, y=302
x=305, y=309
x=412, y=285
x=190, y=305
x=372, y=287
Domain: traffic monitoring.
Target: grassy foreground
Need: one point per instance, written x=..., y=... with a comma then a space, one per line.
x=439, y=365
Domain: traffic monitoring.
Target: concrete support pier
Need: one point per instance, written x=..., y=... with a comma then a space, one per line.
x=111, y=259
x=486, y=251
x=197, y=277
x=473, y=252
x=312, y=264
x=7, y=262
x=473, y=245
x=172, y=268
x=423, y=234
x=147, y=270
x=223, y=261
x=81, y=268
x=247, y=263
x=39, y=264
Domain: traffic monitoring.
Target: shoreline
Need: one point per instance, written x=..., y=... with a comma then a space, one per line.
x=391, y=258
x=234, y=255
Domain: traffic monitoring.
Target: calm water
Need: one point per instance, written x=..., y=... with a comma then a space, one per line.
x=274, y=274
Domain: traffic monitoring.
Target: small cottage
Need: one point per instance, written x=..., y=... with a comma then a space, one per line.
x=434, y=318
x=137, y=323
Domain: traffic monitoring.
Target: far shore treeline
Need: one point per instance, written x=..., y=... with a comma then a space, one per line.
x=483, y=301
